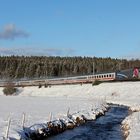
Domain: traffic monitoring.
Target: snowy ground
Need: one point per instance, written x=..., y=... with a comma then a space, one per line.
x=38, y=103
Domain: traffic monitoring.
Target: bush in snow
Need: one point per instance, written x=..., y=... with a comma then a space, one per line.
x=39, y=86
x=96, y=82
x=46, y=85
x=9, y=89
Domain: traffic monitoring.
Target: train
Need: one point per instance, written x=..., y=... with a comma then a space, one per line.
x=72, y=80
x=108, y=76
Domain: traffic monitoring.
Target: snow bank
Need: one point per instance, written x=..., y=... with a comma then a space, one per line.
x=44, y=130
x=131, y=126
x=38, y=110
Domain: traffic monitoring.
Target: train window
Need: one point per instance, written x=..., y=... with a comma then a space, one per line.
x=109, y=75
x=104, y=76
x=99, y=76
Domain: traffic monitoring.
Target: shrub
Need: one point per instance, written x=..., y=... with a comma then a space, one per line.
x=9, y=89
x=39, y=86
x=46, y=85
x=96, y=82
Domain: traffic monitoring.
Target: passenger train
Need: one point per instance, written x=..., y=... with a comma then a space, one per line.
x=111, y=76
x=73, y=80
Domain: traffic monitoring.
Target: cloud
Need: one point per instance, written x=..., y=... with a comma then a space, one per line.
x=11, y=32
x=30, y=51
x=59, y=51
x=130, y=56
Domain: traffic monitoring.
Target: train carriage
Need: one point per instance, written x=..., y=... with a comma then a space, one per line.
x=71, y=80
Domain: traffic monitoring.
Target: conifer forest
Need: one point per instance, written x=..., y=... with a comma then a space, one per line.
x=27, y=67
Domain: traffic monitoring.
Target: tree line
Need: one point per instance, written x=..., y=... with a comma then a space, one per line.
x=17, y=67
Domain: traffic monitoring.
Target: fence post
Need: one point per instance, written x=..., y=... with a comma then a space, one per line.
x=23, y=120
x=7, y=129
x=68, y=112
x=50, y=117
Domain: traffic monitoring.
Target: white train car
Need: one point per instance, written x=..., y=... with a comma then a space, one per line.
x=85, y=78
x=69, y=80
x=103, y=76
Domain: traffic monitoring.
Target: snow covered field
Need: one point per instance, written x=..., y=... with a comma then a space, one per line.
x=37, y=103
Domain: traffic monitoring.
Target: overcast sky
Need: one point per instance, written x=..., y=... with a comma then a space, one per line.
x=105, y=28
